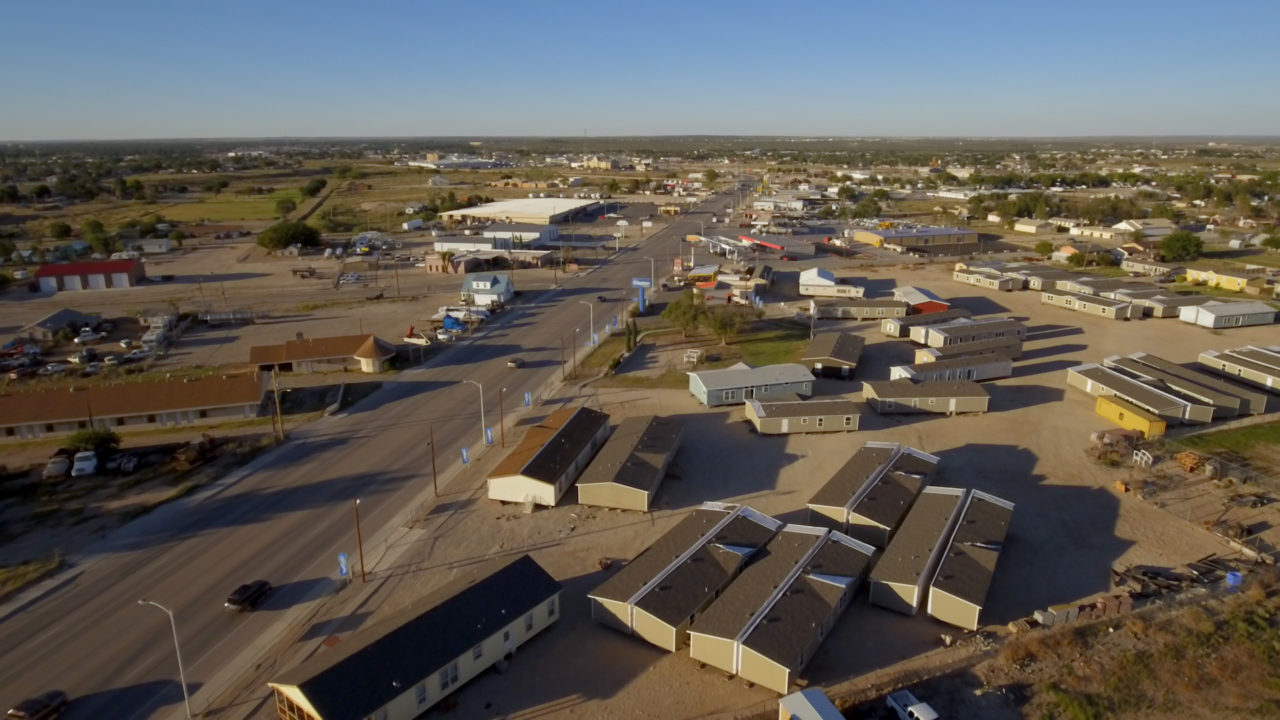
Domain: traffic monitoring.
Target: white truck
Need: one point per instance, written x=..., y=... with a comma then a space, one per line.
x=909, y=708
x=415, y=224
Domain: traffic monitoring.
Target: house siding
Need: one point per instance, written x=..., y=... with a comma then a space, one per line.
x=952, y=610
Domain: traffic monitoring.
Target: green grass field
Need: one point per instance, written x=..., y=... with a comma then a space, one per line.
x=1240, y=440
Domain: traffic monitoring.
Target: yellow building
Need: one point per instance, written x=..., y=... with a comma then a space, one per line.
x=1129, y=416
x=1226, y=281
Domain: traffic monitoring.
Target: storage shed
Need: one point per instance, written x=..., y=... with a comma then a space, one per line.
x=550, y=457
x=921, y=301
x=802, y=416
x=833, y=354
x=959, y=589
x=630, y=467
x=102, y=275
x=932, y=396
x=902, y=575
x=1129, y=416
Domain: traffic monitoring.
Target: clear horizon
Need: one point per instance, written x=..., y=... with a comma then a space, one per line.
x=398, y=69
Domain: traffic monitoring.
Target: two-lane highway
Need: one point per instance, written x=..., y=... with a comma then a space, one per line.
x=286, y=520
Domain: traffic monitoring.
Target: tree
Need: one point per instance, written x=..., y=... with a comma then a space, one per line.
x=1271, y=242
x=313, y=187
x=1045, y=248
x=710, y=176
x=880, y=194
x=284, y=206
x=285, y=233
x=684, y=312
x=176, y=237
x=725, y=322
x=847, y=192
x=1076, y=259
x=1181, y=245
x=1106, y=259
x=867, y=207
x=99, y=440
x=59, y=230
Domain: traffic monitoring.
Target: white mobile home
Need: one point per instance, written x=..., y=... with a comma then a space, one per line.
x=741, y=382
x=550, y=457
x=1228, y=314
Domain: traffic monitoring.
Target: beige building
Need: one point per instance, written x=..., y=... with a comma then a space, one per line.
x=1252, y=402
x=951, y=397
x=833, y=354
x=802, y=416
x=550, y=457
x=629, y=469
x=1092, y=305
x=960, y=586
x=819, y=282
x=897, y=327
x=1251, y=365
x=430, y=648
x=1164, y=403
x=1225, y=404
x=1010, y=347
x=768, y=624
x=366, y=352
x=901, y=576
x=972, y=367
x=913, y=238
x=988, y=280
x=870, y=494
x=857, y=309
x=964, y=332
x=658, y=594
x=1033, y=226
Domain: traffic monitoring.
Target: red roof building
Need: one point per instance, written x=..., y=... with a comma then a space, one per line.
x=921, y=301
x=90, y=275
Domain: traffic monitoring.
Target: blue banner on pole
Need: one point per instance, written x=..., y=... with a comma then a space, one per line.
x=466, y=458
x=595, y=338
x=343, y=567
x=488, y=436
x=528, y=398
x=615, y=321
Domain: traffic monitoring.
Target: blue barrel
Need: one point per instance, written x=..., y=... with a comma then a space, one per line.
x=1233, y=581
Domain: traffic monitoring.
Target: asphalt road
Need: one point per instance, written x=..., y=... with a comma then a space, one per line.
x=287, y=520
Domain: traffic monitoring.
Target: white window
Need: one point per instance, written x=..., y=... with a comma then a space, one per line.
x=933, y=401
x=820, y=422
x=477, y=652
x=848, y=420
x=804, y=421
x=448, y=676
x=528, y=622
x=420, y=692
x=551, y=608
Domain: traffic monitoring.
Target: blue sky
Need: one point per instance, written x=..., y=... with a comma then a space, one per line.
x=143, y=69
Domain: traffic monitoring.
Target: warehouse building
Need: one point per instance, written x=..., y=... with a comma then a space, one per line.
x=550, y=457
x=100, y=275
x=920, y=301
x=933, y=396
x=630, y=467
x=768, y=624
x=834, y=354
x=1218, y=315
x=140, y=405
x=657, y=595
x=901, y=326
x=870, y=494
x=1225, y=405
x=400, y=667
x=368, y=353
x=988, y=280
x=902, y=575
x=1252, y=365
x=1166, y=404
x=857, y=309
x=963, y=332
x=1091, y=304
x=1010, y=347
x=819, y=282
x=1251, y=401
x=973, y=367
x=959, y=589
x=741, y=382
x=46, y=329
x=518, y=234
x=1033, y=226
x=802, y=416
x=913, y=238
x=530, y=211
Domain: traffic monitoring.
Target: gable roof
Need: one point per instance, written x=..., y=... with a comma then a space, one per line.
x=59, y=319
x=374, y=665
x=638, y=448
x=929, y=388
x=970, y=559
x=548, y=447
x=916, y=296
x=105, y=267
x=802, y=408
x=919, y=537
x=322, y=348
x=842, y=346
x=498, y=282
x=743, y=375
x=130, y=398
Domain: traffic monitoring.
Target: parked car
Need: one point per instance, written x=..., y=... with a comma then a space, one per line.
x=85, y=463
x=52, y=369
x=110, y=361
x=89, y=337
x=123, y=463
x=787, y=257
x=126, y=343
x=42, y=707
x=57, y=467
x=601, y=298
x=248, y=596
x=92, y=368
x=135, y=355
x=908, y=707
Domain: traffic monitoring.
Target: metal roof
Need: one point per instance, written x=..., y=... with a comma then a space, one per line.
x=894, y=389
x=1135, y=392
x=937, y=318
x=1252, y=399
x=916, y=296
x=743, y=375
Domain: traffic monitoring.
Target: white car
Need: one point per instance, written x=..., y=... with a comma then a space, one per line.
x=84, y=463
x=908, y=707
x=89, y=337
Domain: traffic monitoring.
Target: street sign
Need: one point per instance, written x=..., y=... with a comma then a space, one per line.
x=595, y=338
x=488, y=436
x=642, y=282
x=647, y=224
x=528, y=398
x=466, y=458
x=343, y=568
x=615, y=321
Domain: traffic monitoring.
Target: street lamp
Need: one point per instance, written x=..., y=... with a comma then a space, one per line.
x=360, y=541
x=591, y=320
x=652, y=275
x=182, y=673
x=482, y=425
x=502, y=420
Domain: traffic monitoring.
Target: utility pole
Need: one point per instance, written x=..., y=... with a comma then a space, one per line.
x=431, y=432
x=360, y=542
x=279, y=416
x=562, y=357
x=502, y=417
x=397, y=271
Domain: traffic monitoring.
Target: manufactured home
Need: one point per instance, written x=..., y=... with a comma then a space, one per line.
x=902, y=575
x=550, y=457
x=802, y=416
x=1252, y=402
x=960, y=586
x=870, y=494
x=1091, y=304
x=1010, y=347
x=1252, y=365
x=857, y=309
x=988, y=280
x=973, y=367
x=1167, y=404
x=897, y=327
x=632, y=464
x=740, y=382
x=833, y=354
x=819, y=282
x=933, y=396
x=1217, y=315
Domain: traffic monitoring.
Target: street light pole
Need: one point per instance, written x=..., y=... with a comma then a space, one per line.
x=652, y=275
x=435, y=485
x=591, y=319
x=502, y=417
x=360, y=542
x=182, y=673
x=482, y=425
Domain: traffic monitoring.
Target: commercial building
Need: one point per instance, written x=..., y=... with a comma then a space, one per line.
x=487, y=289
x=1251, y=401
x=1091, y=305
x=931, y=396
x=741, y=382
x=46, y=329
x=520, y=233
x=630, y=467
x=968, y=331
x=857, y=309
x=1252, y=365
x=1149, y=227
x=1035, y=227
x=657, y=595
x=902, y=575
x=819, y=282
x=101, y=275
x=897, y=327
x=973, y=367
x=530, y=211
x=368, y=353
x=959, y=589
x=834, y=354
x=768, y=624
x=400, y=667
x=802, y=416
x=469, y=244
x=910, y=238
x=1010, y=347
x=921, y=301
x=550, y=457
x=1218, y=315
x=870, y=494
x=988, y=280
x=1167, y=404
